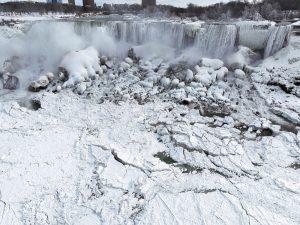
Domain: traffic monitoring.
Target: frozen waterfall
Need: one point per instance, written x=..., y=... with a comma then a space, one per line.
x=216, y=40
x=278, y=37
x=210, y=40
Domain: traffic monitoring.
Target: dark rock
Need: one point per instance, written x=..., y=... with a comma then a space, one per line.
x=109, y=64
x=211, y=109
x=178, y=70
x=11, y=83
x=40, y=84
x=131, y=54
x=103, y=60
x=63, y=74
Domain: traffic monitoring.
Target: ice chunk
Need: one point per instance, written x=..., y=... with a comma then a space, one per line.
x=165, y=82
x=189, y=75
x=239, y=73
x=212, y=63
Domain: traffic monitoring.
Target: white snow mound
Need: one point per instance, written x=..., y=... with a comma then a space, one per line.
x=80, y=65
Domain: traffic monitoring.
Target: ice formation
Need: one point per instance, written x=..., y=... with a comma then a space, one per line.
x=278, y=37
x=142, y=139
x=81, y=65
x=205, y=37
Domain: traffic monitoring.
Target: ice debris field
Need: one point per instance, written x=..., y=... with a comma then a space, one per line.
x=127, y=120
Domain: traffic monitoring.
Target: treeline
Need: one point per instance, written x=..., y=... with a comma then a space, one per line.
x=267, y=9
x=40, y=7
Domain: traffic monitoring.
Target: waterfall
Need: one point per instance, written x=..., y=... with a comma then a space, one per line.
x=253, y=34
x=216, y=40
x=278, y=37
x=208, y=40
x=211, y=40
x=137, y=32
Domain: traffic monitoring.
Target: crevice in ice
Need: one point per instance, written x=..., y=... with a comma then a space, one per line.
x=118, y=159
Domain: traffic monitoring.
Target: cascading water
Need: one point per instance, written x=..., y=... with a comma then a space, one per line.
x=210, y=40
x=216, y=40
x=136, y=32
x=278, y=37
x=253, y=34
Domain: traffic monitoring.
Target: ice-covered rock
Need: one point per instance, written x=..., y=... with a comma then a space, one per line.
x=221, y=73
x=239, y=73
x=207, y=75
x=212, y=63
x=206, y=79
x=43, y=81
x=125, y=66
x=175, y=82
x=109, y=64
x=104, y=68
x=111, y=76
x=100, y=71
x=147, y=83
x=181, y=85
x=189, y=75
x=165, y=82
x=50, y=76
x=39, y=84
x=126, y=96
x=11, y=82
x=81, y=88
x=58, y=88
x=62, y=75
x=129, y=61
x=103, y=60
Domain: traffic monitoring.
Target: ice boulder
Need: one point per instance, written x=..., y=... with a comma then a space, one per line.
x=207, y=76
x=81, y=88
x=239, y=73
x=189, y=75
x=39, y=84
x=80, y=65
x=221, y=73
x=129, y=61
x=125, y=66
x=165, y=82
x=203, y=76
x=212, y=63
x=175, y=82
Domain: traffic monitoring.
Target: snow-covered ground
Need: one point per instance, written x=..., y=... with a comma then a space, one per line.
x=154, y=142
